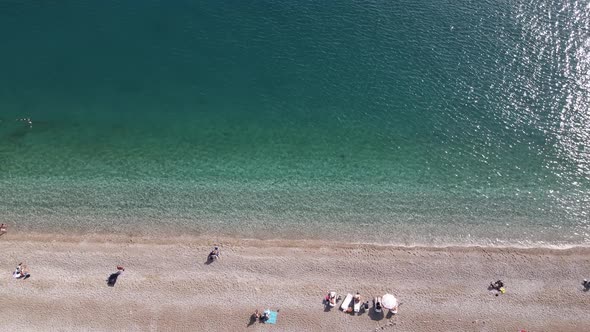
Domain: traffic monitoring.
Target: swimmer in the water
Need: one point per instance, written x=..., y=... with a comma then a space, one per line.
x=27, y=120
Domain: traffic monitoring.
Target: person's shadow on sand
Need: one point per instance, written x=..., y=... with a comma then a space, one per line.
x=112, y=280
x=253, y=320
x=376, y=315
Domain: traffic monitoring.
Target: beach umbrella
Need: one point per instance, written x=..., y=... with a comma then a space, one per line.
x=388, y=301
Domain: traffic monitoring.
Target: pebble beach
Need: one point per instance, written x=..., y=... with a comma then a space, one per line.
x=166, y=285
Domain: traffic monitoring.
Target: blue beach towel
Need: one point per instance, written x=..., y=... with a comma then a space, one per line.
x=272, y=317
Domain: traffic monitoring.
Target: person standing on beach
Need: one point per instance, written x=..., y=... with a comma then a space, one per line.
x=3, y=228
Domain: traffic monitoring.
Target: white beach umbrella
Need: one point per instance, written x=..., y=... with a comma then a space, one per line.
x=389, y=301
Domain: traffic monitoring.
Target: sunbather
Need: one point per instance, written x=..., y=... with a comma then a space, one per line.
x=357, y=303
x=18, y=271
x=586, y=284
x=25, y=272
x=21, y=271
x=265, y=316
x=331, y=298
x=377, y=301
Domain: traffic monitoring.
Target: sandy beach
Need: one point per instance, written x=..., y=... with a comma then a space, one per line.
x=167, y=287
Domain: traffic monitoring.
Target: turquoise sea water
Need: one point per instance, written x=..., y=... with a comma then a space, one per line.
x=407, y=122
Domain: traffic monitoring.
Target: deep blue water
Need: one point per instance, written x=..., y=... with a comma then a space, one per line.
x=402, y=121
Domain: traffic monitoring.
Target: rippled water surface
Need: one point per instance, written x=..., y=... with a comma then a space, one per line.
x=389, y=121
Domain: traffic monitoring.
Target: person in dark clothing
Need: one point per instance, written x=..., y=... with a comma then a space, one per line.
x=497, y=285
x=112, y=280
x=214, y=254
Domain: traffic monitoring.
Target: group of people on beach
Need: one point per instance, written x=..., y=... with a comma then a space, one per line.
x=22, y=272
x=358, y=306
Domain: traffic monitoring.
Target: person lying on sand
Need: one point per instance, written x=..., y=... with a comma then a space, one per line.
x=21, y=271
x=331, y=298
x=25, y=272
x=586, y=284
x=18, y=271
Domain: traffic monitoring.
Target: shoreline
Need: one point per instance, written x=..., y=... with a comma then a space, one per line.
x=263, y=242
x=365, y=229
x=167, y=286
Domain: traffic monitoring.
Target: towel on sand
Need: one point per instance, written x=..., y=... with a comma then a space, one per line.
x=272, y=317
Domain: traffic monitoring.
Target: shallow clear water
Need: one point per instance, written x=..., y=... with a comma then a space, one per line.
x=405, y=122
